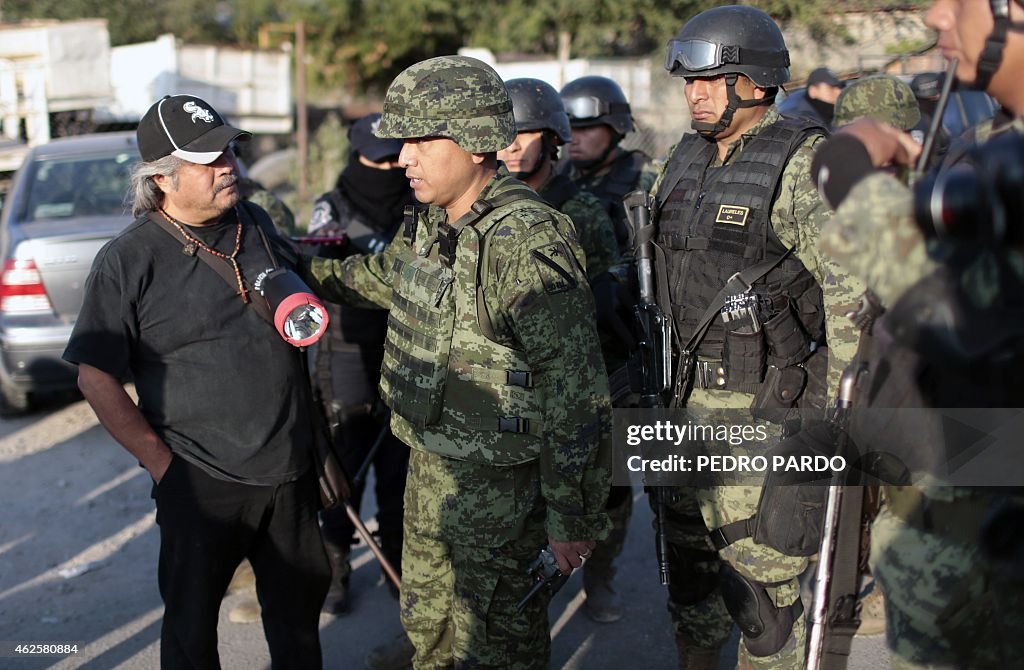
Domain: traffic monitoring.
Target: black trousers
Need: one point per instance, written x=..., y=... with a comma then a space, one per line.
x=207, y=526
x=354, y=371
x=353, y=440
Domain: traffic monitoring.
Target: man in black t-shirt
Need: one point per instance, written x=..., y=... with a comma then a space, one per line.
x=223, y=418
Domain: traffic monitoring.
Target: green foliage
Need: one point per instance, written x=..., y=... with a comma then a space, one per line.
x=131, y=21
x=362, y=44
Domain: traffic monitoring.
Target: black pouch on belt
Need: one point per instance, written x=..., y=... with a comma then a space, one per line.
x=779, y=393
x=788, y=343
x=743, y=359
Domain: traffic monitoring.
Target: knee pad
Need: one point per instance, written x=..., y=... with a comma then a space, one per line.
x=693, y=573
x=764, y=626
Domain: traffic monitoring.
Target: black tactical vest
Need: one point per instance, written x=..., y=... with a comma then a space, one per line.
x=620, y=180
x=559, y=190
x=715, y=221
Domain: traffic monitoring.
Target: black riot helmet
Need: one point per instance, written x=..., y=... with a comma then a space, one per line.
x=536, y=105
x=731, y=40
x=593, y=100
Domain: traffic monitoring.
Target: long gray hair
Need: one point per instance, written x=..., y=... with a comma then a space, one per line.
x=144, y=194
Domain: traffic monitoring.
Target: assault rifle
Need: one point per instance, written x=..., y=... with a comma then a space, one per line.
x=650, y=365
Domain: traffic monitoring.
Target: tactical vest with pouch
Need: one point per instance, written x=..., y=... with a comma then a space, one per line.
x=714, y=222
x=456, y=385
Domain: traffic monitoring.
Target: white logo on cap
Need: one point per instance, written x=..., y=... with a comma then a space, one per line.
x=197, y=112
x=375, y=126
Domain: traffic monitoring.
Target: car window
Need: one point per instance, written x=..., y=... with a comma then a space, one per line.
x=93, y=185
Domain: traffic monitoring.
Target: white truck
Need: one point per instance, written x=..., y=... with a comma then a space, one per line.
x=63, y=78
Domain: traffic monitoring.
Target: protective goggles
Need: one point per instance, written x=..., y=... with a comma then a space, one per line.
x=699, y=55
x=591, y=107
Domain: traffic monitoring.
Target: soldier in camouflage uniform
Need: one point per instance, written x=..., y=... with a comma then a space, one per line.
x=951, y=603
x=492, y=369
x=601, y=117
x=736, y=196
x=542, y=125
x=882, y=97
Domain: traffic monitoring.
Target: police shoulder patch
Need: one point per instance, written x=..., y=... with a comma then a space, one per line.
x=555, y=266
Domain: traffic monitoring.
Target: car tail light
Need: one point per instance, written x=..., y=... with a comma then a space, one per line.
x=21, y=288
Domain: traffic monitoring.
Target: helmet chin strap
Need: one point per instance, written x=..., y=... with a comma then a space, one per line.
x=547, y=149
x=711, y=130
x=992, y=53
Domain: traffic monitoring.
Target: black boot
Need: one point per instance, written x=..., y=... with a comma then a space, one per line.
x=338, y=601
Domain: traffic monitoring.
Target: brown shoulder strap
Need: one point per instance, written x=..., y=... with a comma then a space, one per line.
x=216, y=264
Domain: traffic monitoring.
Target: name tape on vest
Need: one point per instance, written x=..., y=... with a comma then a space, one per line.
x=733, y=214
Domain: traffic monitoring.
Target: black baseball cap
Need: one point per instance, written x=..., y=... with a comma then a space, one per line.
x=366, y=144
x=187, y=127
x=823, y=75
x=928, y=85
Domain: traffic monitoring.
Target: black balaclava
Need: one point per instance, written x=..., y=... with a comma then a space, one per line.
x=379, y=195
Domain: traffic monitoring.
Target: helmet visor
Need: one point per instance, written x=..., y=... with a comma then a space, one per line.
x=586, y=107
x=692, y=55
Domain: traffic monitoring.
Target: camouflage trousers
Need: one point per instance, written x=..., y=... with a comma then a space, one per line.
x=695, y=603
x=946, y=607
x=620, y=510
x=471, y=532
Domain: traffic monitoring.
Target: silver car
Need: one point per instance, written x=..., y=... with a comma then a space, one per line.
x=66, y=201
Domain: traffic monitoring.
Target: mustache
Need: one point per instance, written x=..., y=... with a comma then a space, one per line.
x=226, y=182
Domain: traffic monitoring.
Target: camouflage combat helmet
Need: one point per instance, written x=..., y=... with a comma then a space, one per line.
x=881, y=97
x=457, y=97
x=537, y=106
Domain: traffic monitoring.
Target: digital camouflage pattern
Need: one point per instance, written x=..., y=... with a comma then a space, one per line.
x=873, y=234
x=882, y=97
x=593, y=227
x=947, y=605
x=460, y=512
x=457, y=97
x=797, y=216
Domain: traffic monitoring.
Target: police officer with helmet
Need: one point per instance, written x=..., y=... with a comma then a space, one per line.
x=737, y=218
x=601, y=117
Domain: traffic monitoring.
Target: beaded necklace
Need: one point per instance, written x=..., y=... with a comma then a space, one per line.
x=193, y=244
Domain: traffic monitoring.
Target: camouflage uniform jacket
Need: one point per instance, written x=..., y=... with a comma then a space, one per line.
x=873, y=234
x=541, y=363
x=591, y=220
x=797, y=216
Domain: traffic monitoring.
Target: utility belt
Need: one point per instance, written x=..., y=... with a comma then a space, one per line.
x=773, y=359
x=961, y=520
